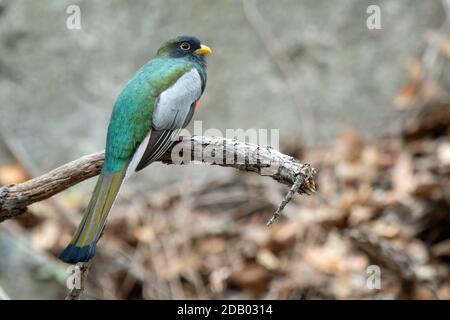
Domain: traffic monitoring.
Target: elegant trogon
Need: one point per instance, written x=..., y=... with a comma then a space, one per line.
x=158, y=101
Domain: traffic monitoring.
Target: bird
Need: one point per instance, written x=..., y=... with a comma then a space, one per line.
x=155, y=104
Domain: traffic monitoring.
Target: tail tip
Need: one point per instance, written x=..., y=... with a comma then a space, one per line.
x=74, y=254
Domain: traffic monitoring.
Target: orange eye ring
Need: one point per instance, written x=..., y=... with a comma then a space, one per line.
x=185, y=46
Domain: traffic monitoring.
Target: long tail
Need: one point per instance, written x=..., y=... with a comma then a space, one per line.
x=82, y=246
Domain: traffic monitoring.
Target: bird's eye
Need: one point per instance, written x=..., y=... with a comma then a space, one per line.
x=185, y=46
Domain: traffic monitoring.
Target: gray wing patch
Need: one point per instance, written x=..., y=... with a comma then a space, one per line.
x=173, y=111
x=173, y=104
x=155, y=145
x=189, y=115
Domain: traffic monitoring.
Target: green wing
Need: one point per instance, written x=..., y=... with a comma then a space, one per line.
x=131, y=118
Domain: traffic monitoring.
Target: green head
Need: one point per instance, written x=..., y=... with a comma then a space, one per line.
x=184, y=47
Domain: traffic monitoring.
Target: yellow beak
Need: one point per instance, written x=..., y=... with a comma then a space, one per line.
x=203, y=50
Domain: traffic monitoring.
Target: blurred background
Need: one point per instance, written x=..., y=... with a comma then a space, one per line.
x=369, y=109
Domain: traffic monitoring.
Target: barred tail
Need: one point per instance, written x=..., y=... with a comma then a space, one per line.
x=82, y=246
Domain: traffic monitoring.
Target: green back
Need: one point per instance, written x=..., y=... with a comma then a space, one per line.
x=131, y=118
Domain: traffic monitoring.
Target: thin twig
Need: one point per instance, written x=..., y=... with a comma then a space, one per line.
x=296, y=187
x=287, y=198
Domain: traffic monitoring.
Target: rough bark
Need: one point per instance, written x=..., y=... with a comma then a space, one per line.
x=14, y=199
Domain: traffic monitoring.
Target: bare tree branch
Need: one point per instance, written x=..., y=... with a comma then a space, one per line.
x=14, y=199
